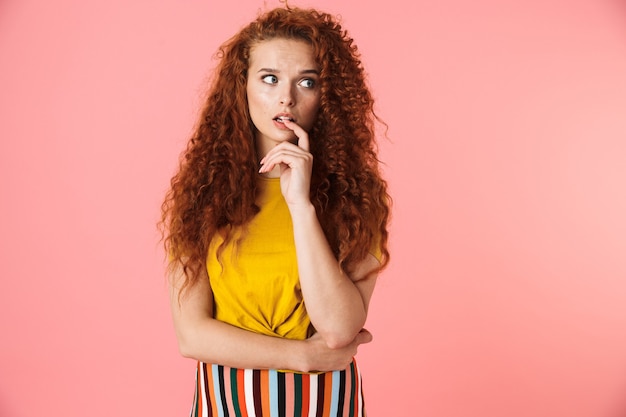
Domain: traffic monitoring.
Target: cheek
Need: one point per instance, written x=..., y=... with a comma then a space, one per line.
x=257, y=102
x=313, y=109
x=253, y=107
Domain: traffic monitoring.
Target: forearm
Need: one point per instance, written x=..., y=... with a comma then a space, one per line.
x=212, y=341
x=333, y=301
x=202, y=337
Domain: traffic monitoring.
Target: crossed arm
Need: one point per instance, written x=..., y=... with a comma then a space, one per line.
x=204, y=338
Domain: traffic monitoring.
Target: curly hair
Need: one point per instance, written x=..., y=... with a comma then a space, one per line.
x=215, y=187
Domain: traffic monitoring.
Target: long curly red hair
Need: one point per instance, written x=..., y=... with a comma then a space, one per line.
x=215, y=187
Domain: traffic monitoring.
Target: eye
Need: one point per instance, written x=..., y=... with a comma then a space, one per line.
x=269, y=79
x=307, y=83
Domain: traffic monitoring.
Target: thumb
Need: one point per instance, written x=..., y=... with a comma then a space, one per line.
x=364, y=336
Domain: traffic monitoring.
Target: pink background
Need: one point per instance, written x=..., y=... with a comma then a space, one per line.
x=507, y=161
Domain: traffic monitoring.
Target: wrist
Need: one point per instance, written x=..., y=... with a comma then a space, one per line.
x=300, y=357
x=301, y=209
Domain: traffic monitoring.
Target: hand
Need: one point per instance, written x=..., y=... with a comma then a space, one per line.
x=322, y=358
x=295, y=162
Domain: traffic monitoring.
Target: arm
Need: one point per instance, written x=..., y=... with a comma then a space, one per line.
x=336, y=301
x=203, y=338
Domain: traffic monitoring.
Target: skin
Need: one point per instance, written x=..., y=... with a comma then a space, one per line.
x=282, y=79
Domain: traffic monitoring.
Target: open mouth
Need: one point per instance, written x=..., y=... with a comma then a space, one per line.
x=282, y=119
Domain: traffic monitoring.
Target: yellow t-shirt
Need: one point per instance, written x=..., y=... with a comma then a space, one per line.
x=255, y=282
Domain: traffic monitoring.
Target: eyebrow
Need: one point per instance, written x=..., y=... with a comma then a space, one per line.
x=306, y=71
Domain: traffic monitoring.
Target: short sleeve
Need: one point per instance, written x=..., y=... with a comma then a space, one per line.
x=376, y=249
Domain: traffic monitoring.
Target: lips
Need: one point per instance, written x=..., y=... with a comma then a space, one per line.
x=280, y=118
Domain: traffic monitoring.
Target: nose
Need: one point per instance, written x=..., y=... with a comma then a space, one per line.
x=287, y=96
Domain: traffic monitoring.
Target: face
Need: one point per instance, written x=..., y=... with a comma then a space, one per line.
x=282, y=82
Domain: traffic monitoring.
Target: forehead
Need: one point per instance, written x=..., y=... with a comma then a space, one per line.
x=278, y=52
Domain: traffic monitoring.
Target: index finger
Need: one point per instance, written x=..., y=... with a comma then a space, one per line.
x=301, y=134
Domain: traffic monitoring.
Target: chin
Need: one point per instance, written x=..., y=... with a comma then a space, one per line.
x=286, y=138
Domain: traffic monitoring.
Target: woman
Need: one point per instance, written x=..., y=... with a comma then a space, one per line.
x=275, y=223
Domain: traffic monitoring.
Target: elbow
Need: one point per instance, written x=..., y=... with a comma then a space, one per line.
x=338, y=341
x=191, y=338
x=185, y=347
x=338, y=337
x=185, y=351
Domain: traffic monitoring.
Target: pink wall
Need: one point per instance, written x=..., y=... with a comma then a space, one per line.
x=507, y=161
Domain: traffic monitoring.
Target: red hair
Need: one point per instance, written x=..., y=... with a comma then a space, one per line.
x=215, y=187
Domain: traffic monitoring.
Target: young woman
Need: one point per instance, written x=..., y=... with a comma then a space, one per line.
x=276, y=223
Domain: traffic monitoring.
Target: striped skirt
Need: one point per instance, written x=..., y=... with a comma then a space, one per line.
x=229, y=392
